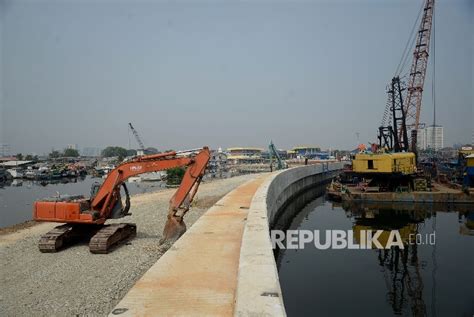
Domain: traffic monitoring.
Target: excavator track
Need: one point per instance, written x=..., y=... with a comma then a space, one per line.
x=59, y=238
x=110, y=236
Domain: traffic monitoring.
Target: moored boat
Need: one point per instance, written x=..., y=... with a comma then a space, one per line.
x=15, y=173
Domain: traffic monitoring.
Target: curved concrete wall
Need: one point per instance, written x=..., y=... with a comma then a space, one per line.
x=258, y=287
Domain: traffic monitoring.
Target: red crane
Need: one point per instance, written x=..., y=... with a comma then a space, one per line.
x=418, y=69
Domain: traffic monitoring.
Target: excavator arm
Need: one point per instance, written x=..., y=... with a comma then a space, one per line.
x=106, y=202
x=181, y=200
x=108, y=193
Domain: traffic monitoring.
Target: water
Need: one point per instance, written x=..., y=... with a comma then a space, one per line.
x=17, y=198
x=427, y=280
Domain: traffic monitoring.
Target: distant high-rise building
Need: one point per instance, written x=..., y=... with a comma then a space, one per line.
x=421, y=139
x=431, y=137
x=72, y=147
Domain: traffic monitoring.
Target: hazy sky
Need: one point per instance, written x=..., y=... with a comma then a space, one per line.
x=195, y=73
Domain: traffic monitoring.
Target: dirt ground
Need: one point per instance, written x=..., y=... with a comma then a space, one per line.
x=75, y=282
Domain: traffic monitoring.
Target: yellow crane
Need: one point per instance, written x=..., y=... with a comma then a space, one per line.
x=391, y=163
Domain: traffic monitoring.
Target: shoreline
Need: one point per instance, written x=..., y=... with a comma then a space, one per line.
x=17, y=227
x=135, y=198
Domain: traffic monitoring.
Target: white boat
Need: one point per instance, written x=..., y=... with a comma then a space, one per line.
x=43, y=169
x=30, y=174
x=15, y=173
x=107, y=169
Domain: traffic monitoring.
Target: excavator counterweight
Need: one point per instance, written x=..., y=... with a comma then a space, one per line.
x=85, y=218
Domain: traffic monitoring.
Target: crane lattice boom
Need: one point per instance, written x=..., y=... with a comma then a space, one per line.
x=137, y=137
x=418, y=68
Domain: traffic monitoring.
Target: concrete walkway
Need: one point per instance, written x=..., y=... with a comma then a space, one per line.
x=198, y=278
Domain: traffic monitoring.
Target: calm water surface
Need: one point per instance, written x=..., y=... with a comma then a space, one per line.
x=17, y=198
x=425, y=280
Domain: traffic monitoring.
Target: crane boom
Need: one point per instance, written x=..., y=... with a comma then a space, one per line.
x=137, y=137
x=418, y=68
x=274, y=152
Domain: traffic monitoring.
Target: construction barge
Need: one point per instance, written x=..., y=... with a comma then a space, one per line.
x=439, y=194
x=393, y=178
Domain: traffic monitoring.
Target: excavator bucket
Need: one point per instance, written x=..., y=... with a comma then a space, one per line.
x=174, y=229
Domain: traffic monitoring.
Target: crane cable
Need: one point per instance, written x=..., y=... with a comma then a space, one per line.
x=433, y=80
x=409, y=44
x=387, y=116
x=433, y=92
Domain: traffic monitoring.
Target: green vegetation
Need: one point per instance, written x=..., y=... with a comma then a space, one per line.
x=71, y=153
x=131, y=152
x=27, y=157
x=54, y=154
x=175, y=175
x=58, y=154
x=112, y=151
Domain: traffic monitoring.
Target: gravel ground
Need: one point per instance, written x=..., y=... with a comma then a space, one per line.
x=75, y=282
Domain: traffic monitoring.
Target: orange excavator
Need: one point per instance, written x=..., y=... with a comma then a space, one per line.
x=85, y=218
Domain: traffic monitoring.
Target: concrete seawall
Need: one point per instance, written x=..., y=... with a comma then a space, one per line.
x=224, y=264
x=258, y=289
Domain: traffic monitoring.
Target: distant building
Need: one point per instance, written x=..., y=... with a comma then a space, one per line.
x=7, y=158
x=304, y=152
x=431, y=137
x=15, y=163
x=71, y=147
x=244, y=154
x=421, y=139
